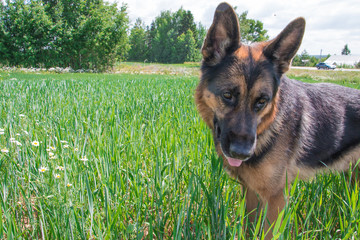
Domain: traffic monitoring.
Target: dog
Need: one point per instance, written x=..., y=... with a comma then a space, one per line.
x=268, y=128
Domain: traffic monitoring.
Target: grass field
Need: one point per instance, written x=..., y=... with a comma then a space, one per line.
x=126, y=156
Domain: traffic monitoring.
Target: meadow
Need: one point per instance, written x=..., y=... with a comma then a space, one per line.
x=126, y=156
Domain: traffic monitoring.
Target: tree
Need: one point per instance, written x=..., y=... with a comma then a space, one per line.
x=162, y=38
x=200, y=36
x=93, y=34
x=4, y=38
x=251, y=30
x=346, y=50
x=186, y=48
x=300, y=59
x=183, y=21
x=304, y=59
x=357, y=65
x=175, y=38
x=82, y=34
x=26, y=32
x=138, y=42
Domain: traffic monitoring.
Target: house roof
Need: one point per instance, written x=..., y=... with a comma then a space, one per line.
x=343, y=59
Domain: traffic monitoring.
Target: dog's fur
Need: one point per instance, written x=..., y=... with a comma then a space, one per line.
x=269, y=128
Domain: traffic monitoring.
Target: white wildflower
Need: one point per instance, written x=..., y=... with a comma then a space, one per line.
x=43, y=169
x=4, y=150
x=61, y=168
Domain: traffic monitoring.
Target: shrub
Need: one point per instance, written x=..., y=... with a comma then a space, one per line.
x=79, y=34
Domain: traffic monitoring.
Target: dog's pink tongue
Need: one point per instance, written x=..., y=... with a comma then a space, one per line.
x=234, y=162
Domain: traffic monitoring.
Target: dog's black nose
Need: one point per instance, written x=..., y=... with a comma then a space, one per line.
x=239, y=152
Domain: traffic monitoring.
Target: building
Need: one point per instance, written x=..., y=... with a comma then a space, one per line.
x=340, y=60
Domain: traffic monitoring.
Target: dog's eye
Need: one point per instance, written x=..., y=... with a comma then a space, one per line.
x=227, y=95
x=260, y=104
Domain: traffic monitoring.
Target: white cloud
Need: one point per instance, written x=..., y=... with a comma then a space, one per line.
x=330, y=23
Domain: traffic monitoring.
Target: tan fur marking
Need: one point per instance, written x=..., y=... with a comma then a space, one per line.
x=242, y=52
x=256, y=50
x=268, y=118
x=202, y=106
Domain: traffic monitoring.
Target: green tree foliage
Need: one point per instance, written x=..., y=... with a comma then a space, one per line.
x=162, y=35
x=4, y=37
x=251, y=30
x=25, y=33
x=81, y=34
x=186, y=47
x=357, y=65
x=138, y=42
x=92, y=34
x=200, y=35
x=304, y=59
x=346, y=50
x=173, y=38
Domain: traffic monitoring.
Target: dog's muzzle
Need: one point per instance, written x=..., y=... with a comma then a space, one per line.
x=236, y=148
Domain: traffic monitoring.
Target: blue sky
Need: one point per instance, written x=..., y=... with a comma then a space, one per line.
x=330, y=23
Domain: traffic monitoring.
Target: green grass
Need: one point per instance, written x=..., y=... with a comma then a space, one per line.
x=352, y=78
x=152, y=171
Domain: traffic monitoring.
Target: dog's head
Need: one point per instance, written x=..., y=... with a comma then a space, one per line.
x=238, y=92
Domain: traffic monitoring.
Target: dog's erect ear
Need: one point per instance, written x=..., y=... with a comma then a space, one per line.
x=223, y=36
x=283, y=48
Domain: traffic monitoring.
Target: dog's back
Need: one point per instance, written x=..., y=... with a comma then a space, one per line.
x=324, y=122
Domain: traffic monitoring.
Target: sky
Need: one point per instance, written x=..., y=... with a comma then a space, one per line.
x=330, y=24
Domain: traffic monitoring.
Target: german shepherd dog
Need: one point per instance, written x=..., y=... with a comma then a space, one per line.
x=268, y=128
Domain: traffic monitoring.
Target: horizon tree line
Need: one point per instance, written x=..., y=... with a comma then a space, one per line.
x=95, y=34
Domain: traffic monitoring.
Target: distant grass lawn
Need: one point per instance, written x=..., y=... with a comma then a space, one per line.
x=126, y=156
